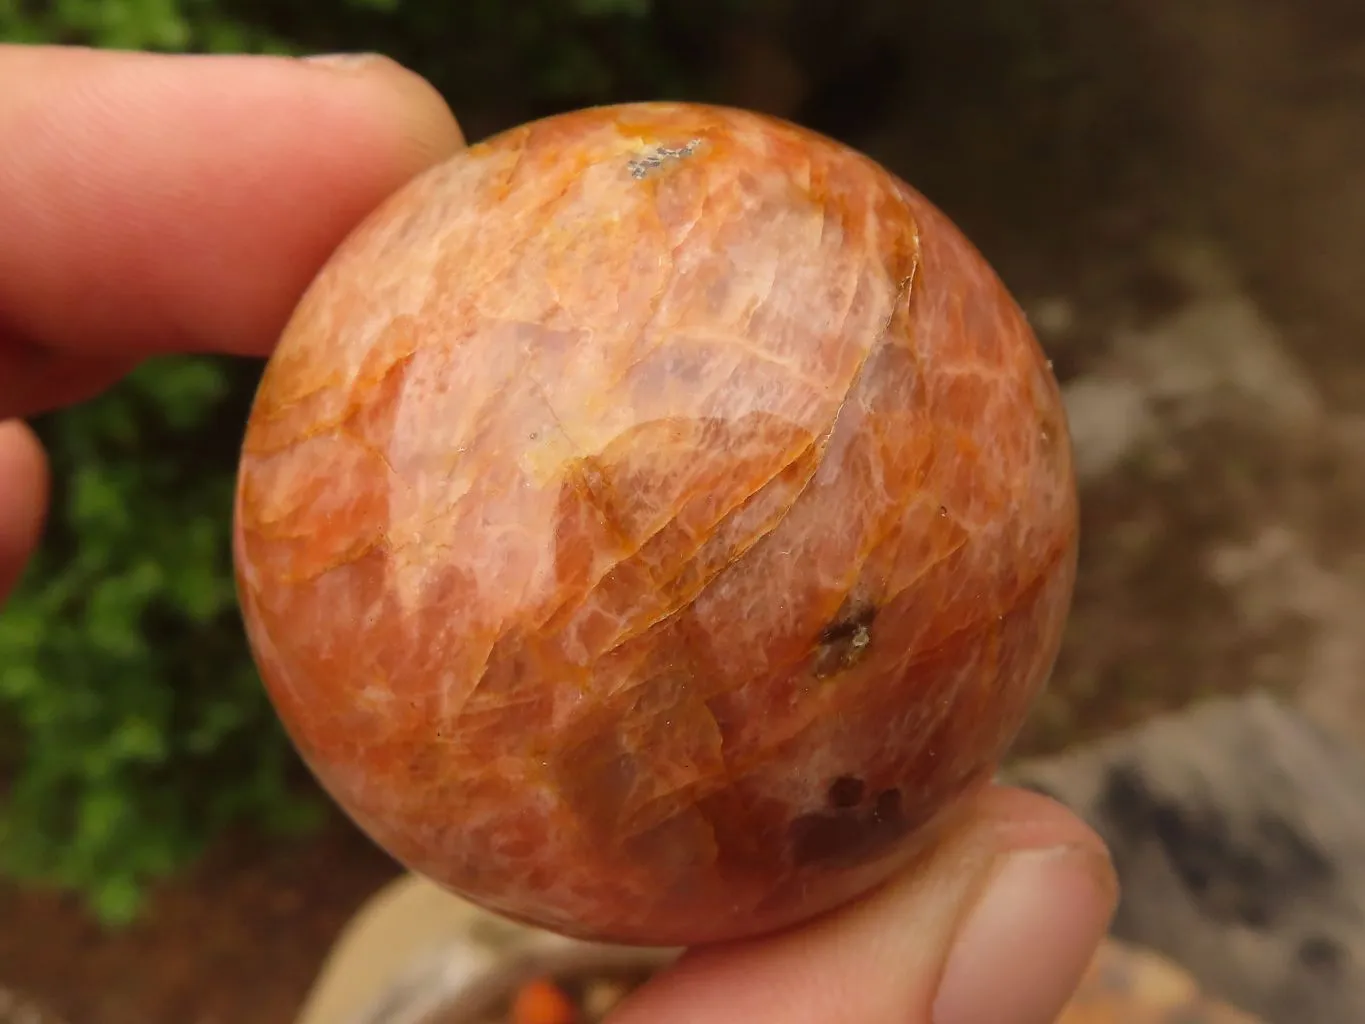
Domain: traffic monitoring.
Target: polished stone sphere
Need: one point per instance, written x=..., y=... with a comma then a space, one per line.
x=653, y=520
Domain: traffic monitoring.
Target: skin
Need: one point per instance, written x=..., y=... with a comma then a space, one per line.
x=182, y=204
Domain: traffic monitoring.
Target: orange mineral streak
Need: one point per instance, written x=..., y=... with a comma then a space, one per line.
x=652, y=520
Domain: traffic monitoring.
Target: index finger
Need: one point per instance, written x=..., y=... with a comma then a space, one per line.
x=156, y=203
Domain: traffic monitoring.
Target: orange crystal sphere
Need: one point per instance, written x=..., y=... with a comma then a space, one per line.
x=652, y=520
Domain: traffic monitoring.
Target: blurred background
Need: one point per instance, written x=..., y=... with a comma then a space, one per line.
x=1176, y=195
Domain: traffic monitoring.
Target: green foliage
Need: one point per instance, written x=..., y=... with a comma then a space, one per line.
x=140, y=728
x=527, y=52
x=166, y=25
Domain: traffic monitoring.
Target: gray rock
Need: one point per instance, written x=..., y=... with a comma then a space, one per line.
x=1238, y=831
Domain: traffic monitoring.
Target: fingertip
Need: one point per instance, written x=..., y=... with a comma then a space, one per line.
x=1025, y=819
x=996, y=923
x=24, y=482
x=426, y=126
x=1022, y=948
x=158, y=203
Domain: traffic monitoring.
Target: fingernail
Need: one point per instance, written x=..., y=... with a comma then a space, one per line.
x=419, y=109
x=1022, y=950
x=348, y=61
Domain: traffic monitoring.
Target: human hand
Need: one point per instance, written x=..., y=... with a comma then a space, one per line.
x=156, y=204
x=182, y=204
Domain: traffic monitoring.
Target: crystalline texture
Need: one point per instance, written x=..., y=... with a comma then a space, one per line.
x=652, y=519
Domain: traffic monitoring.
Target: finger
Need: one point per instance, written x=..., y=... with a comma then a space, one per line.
x=997, y=928
x=34, y=380
x=154, y=203
x=23, y=500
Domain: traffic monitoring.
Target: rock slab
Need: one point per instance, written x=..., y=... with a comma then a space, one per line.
x=1238, y=831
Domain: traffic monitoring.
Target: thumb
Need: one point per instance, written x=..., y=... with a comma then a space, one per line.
x=996, y=927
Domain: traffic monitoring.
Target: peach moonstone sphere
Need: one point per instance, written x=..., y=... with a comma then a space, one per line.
x=652, y=520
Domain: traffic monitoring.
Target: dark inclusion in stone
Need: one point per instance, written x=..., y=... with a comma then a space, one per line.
x=852, y=830
x=844, y=642
x=846, y=791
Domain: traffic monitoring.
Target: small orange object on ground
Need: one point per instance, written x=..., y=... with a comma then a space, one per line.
x=542, y=1002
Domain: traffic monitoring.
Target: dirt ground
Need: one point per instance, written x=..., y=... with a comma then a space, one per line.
x=1175, y=192
x=235, y=942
